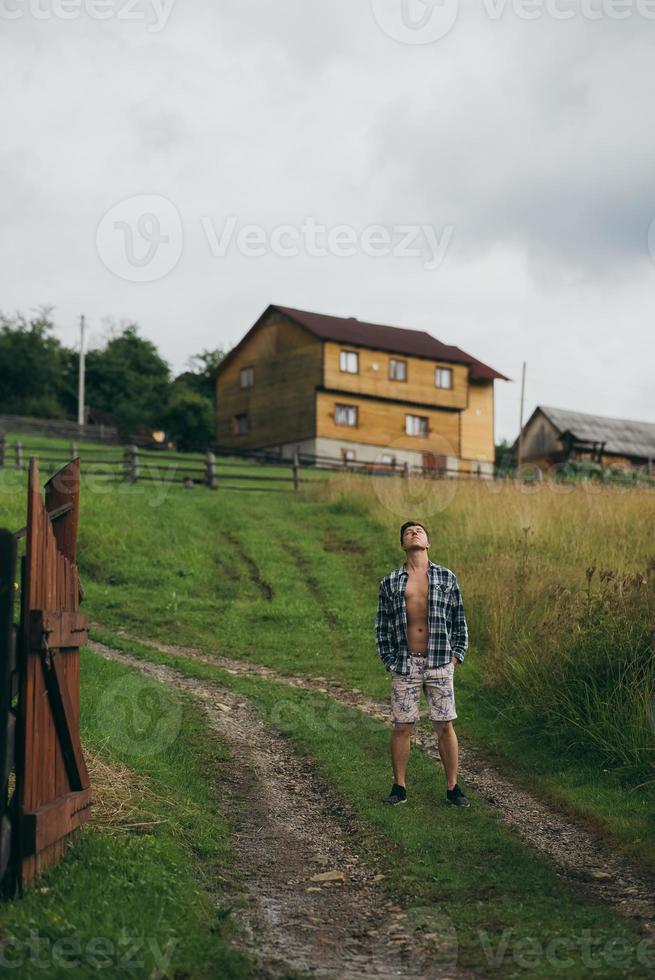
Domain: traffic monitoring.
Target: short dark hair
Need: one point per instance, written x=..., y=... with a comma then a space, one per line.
x=411, y=524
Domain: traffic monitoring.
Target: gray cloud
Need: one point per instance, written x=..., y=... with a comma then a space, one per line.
x=533, y=139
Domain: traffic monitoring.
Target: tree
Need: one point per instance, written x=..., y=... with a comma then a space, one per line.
x=189, y=420
x=200, y=376
x=129, y=379
x=32, y=366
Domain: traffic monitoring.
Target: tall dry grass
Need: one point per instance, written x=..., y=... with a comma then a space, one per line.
x=559, y=588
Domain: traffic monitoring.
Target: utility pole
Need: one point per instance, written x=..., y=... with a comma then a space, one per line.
x=520, y=446
x=80, y=389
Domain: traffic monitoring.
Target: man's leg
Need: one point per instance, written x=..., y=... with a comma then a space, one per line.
x=401, y=743
x=448, y=750
x=405, y=694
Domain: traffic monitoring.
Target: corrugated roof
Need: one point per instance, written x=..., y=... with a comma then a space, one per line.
x=621, y=436
x=397, y=340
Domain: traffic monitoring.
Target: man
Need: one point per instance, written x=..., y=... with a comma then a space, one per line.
x=421, y=634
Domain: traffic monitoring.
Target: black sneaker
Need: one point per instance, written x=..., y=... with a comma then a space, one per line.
x=397, y=795
x=456, y=797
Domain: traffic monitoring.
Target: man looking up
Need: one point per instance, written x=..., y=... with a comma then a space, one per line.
x=421, y=634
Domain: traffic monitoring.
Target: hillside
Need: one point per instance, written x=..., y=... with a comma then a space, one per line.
x=554, y=696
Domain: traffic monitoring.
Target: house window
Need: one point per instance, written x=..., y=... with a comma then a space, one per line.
x=240, y=424
x=247, y=377
x=345, y=414
x=443, y=377
x=416, y=425
x=348, y=455
x=349, y=361
x=397, y=370
x=387, y=459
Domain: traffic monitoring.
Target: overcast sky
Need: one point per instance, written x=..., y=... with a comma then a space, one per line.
x=482, y=171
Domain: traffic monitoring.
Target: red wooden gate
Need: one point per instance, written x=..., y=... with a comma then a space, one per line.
x=52, y=782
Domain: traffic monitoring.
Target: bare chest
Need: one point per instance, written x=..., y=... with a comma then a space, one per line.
x=416, y=593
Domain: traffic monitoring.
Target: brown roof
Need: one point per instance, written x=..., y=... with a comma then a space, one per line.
x=397, y=340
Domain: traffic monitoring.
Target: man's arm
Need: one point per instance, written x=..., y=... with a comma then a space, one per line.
x=383, y=629
x=459, y=636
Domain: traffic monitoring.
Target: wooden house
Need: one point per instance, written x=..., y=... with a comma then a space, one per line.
x=553, y=436
x=338, y=387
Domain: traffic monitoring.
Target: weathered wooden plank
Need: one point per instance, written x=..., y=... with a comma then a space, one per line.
x=5, y=844
x=59, y=630
x=62, y=716
x=7, y=572
x=43, y=827
x=31, y=599
x=62, y=784
x=53, y=770
x=9, y=742
x=62, y=488
x=44, y=760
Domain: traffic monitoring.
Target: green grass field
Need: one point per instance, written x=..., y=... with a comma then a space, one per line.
x=102, y=465
x=557, y=684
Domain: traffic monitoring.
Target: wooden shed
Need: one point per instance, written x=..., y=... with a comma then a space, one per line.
x=345, y=389
x=553, y=436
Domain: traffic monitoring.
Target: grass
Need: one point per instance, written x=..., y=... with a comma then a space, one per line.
x=501, y=910
x=558, y=678
x=135, y=896
x=292, y=582
x=102, y=464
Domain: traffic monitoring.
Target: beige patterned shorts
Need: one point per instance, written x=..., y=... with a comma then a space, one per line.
x=437, y=682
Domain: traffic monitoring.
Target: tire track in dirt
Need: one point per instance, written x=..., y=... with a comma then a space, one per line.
x=310, y=580
x=581, y=858
x=286, y=832
x=264, y=587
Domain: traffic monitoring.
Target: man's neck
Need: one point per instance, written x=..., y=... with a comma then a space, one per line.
x=417, y=560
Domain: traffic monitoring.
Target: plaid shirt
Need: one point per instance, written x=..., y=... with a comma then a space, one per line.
x=447, y=629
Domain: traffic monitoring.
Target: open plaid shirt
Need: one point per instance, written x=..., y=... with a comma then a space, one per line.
x=447, y=629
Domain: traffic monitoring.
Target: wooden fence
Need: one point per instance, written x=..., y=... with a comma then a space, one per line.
x=40, y=683
x=159, y=466
x=225, y=469
x=58, y=428
x=436, y=468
